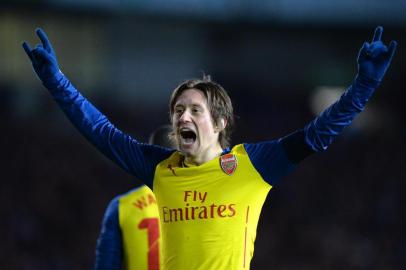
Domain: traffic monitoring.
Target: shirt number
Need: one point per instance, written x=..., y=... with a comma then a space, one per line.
x=152, y=227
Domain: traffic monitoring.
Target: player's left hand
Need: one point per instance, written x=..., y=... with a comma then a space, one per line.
x=374, y=58
x=43, y=58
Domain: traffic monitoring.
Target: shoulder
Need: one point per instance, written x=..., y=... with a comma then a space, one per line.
x=174, y=159
x=257, y=149
x=140, y=191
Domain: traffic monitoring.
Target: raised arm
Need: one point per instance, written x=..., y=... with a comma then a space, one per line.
x=373, y=60
x=276, y=158
x=136, y=158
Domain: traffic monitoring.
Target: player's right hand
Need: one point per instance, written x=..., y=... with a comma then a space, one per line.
x=43, y=58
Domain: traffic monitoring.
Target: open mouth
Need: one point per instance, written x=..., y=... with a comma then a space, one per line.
x=187, y=136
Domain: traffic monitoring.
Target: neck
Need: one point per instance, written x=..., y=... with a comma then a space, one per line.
x=204, y=156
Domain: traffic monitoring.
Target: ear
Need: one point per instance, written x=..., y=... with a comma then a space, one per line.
x=221, y=124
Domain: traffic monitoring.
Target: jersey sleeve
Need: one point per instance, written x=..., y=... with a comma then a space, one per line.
x=109, y=251
x=136, y=158
x=320, y=132
x=269, y=159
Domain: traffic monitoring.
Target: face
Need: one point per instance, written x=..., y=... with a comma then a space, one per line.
x=193, y=125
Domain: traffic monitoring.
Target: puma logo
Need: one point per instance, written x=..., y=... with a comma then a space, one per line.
x=172, y=170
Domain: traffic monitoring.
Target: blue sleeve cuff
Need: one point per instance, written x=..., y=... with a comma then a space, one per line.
x=296, y=147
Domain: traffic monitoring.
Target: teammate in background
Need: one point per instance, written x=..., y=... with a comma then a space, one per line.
x=130, y=236
x=210, y=196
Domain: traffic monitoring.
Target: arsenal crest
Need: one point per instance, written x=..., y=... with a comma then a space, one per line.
x=228, y=163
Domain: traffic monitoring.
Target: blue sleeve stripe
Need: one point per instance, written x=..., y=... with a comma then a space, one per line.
x=296, y=147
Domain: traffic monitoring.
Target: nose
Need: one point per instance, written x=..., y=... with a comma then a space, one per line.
x=185, y=117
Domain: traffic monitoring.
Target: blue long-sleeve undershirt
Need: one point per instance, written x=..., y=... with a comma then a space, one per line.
x=141, y=159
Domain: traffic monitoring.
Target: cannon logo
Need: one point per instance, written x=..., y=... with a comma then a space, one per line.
x=228, y=163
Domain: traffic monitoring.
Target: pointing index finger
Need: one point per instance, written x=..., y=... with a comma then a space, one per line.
x=377, y=34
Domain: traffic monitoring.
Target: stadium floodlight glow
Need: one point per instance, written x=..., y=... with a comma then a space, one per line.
x=324, y=96
x=371, y=119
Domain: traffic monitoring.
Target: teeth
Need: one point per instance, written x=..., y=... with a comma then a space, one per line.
x=185, y=136
x=188, y=140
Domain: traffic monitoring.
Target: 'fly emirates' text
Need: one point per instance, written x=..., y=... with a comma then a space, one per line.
x=204, y=211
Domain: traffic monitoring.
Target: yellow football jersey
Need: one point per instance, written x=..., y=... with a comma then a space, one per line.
x=139, y=224
x=209, y=213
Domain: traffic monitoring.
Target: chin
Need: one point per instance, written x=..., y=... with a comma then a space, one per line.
x=188, y=151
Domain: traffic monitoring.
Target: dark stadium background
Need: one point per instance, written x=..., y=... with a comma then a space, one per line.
x=342, y=209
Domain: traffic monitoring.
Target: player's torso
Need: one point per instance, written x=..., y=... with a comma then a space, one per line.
x=139, y=223
x=209, y=213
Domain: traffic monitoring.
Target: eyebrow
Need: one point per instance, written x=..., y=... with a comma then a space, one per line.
x=197, y=105
x=191, y=105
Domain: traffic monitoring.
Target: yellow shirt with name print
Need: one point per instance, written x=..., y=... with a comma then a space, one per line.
x=130, y=235
x=139, y=223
